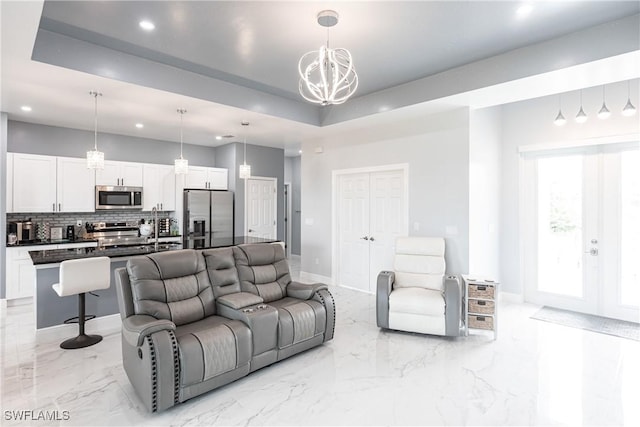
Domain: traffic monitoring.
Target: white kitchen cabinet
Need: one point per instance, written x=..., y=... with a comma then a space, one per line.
x=159, y=184
x=120, y=173
x=9, y=183
x=20, y=271
x=34, y=183
x=51, y=184
x=75, y=186
x=201, y=177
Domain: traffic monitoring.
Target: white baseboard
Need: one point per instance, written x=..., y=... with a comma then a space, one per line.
x=100, y=325
x=511, y=297
x=312, y=277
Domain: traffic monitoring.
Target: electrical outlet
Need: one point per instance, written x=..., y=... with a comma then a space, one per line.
x=78, y=223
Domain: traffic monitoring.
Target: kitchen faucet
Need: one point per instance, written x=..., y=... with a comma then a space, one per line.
x=155, y=226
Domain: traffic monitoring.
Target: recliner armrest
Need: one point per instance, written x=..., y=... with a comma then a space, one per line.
x=135, y=328
x=239, y=300
x=304, y=291
x=384, y=286
x=453, y=304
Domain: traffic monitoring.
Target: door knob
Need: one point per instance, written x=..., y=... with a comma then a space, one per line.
x=250, y=231
x=594, y=241
x=365, y=238
x=371, y=239
x=592, y=251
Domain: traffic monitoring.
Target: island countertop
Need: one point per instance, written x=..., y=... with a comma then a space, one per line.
x=56, y=256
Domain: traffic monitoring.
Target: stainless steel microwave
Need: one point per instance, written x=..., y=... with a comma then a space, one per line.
x=118, y=197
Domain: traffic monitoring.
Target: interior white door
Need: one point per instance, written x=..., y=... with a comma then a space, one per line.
x=582, y=231
x=371, y=213
x=353, y=231
x=261, y=207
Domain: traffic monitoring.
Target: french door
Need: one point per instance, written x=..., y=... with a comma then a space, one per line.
x=371, y=213
x=581, y=239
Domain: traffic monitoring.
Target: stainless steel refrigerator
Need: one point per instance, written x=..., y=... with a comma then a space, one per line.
x=207, y=217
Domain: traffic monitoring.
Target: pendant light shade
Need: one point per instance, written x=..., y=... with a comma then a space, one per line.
x=244, y=171
x=629, y=109
x=95, y=158
x=559, y=120
x=581, y=117
x=327, y=76
x=604, y=112
x=181, y=165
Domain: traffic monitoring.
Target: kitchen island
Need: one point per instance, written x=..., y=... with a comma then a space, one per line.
x=52, y=310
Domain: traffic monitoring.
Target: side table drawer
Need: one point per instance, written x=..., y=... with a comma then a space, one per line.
x=480, y=322
x=481, y=307
x=481, y=291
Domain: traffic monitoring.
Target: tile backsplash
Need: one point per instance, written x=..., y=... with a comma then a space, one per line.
x=70, y=218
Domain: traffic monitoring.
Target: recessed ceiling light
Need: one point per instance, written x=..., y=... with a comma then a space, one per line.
x=147, y=25
x=25, y=108
x=218, y=137
x=139, y=125
x=524, y=10
x=299, y=151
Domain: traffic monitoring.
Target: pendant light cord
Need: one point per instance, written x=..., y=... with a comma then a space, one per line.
x=181, y=111
x=95, y=119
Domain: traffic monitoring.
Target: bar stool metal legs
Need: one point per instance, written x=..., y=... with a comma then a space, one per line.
x=82, y=340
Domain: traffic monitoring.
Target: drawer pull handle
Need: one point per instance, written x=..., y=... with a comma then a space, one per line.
x=482, y=288
x=482, y=303
x=480, y=318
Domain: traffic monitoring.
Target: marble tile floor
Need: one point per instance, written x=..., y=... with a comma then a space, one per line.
x=536, y=373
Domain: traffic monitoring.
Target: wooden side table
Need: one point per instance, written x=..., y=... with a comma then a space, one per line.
x=480, y=308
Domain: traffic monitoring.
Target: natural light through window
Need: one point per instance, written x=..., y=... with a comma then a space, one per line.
x=630, y=228
x=560, y=225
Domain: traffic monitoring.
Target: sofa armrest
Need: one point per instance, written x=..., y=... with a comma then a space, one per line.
x=239, y=300
x=135, y=328
x=384, y=287
x=453, y=304
x=304, y=291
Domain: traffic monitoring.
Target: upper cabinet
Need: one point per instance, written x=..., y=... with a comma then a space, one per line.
x=51, y=184
x=200, y=177
x=120, y=173
x=159, y=189
x=9, y=200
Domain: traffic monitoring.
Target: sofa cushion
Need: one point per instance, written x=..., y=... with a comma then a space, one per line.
x=221, y=267
x=298, y=320
x=417, y=301
x=262, y=270
x=171, y=285
x=211, y=347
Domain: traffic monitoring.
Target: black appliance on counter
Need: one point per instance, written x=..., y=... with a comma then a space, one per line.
x=25, y=231
x=208, y=215
x=71, y=232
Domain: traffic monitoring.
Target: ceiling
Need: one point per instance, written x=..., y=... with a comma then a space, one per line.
x=229, y=61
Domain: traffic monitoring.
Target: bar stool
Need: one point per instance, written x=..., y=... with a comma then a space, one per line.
x=78, y=276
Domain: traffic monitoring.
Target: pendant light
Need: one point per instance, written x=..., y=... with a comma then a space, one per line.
x=581, y=117
x=629, y=109
x=181, y=165
x=559, y=120
x=245, y=169
x=604, y=112
x=95, y=158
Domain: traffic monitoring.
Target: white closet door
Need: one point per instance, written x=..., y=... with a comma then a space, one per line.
x=371, y=214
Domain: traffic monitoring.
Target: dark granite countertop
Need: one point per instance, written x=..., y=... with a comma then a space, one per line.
x=50, y=242
x=56, y=256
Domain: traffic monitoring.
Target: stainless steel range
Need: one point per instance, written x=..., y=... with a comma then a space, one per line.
x=114, y=233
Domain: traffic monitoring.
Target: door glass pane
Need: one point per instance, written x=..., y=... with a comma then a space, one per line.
x=560, y=225
x=630, y=228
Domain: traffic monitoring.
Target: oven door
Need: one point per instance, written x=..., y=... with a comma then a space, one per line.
x=118, y=197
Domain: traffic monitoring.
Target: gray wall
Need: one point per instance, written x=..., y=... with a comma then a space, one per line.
x=436, y=148
x=57, y=141
x=265, y=162
x=3, y=205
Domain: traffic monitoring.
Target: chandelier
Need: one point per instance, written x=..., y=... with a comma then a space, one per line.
x=327, y=76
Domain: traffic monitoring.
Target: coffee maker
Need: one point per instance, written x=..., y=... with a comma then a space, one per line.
x=25, y=231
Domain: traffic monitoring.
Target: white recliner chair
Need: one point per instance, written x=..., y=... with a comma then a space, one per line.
x=418, y=296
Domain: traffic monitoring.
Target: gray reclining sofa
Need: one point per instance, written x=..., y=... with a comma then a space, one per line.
x=194, y=320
